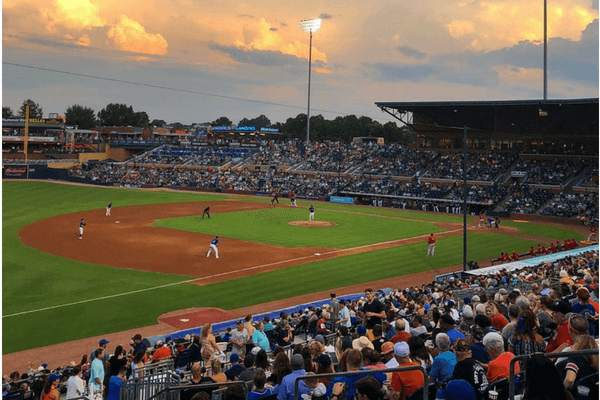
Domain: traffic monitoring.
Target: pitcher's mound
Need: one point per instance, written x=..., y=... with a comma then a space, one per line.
x=313, y=224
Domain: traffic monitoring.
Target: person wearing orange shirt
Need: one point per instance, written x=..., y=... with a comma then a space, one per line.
x=405, y=382
x=499, y=367
x=430, y=244
x=161, y=352
x=560, y=309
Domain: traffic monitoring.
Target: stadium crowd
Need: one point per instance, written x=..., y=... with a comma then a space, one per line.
x=463, y=331
x=418, y=180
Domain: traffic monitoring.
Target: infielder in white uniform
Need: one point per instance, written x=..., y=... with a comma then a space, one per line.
x=213, y=246
x=81, y=225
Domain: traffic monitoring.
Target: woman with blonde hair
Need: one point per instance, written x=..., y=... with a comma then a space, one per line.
x=208, y=343
x=499, y=321
x=578, y=367
x=216, y=373
x=316, y=348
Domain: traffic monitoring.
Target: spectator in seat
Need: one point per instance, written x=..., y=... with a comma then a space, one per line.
x=379, y=339
x=542, y=380
x=525, y=340
x=578, y=367
x=281, y=367
x=405, y=383
x=50, y=391
x=216, y=373
x=236, y=368
x=559, y=310
x=583, y=306
x=443, y=364
x=468, y=369
x=285, y=335
x=401, y=334
x=76, y=385
x=513, y=314
x=499, y=321
x=387, y=355
x=259, y=338
x=259, y=391
x=447, y=326
x=248, y=374
x=419, y=353
x=239, y=338
x=161, y=352
x=286, y=388
x=118, y=360
x=234, y=392
x=498, y=368
x=457, y=390
x=137, y=344
x=367, y=388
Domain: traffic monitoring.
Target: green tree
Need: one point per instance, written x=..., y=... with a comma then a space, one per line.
x=35, y=111
x=7, y=112
x=141, y=119
x=259, y=122
x=158, y=122
x=80, y=116
x=221, y=121
x=117, y=115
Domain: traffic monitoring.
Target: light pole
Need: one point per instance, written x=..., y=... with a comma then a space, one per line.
x=309, y=25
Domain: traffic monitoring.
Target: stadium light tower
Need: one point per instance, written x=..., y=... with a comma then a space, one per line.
x=309, y=25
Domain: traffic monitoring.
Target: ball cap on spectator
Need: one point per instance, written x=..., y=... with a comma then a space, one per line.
x=560, y=306
x=54, y=377
x=427, y=307
x=103, y=342
x=387, y=347
x=401, y=349
x=361, y=330
x=255, y=350
x=137, y=337
x=234, y=357
x=323, y=359
x=320, y=339
x=361, y=343
x=475, y=298
x=297, y=362
x=456, y=389
x=159, y=343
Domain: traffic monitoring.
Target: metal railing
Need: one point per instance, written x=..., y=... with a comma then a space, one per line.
x=564, y=354
x=151, y=387
x=174, y=391
x=366, y=373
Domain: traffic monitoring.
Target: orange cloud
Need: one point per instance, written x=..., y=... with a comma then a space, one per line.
x=130, y=35
x=84, y=41
x=529, y=77
x=260, y=36
x=72, y=14
x=460, y=28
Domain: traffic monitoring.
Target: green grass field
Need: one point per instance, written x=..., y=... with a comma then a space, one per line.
x=49, y=299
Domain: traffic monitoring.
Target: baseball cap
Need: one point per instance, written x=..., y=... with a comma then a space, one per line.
x=234, y=357
x=427, y=306
x=475, y=298
x=103, y=342
x=387, y=347
x=323, y=359
x=456, y=389
x=560, y=306
x=255, y=350
x=54, y=377
x=297, y=362
x=159, y=343
x=467, y=312
x=320, y=339
x=361, y=330
x=401, y=349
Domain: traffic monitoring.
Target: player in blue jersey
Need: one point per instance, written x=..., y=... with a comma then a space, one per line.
x=213, y=246
x=81, y=225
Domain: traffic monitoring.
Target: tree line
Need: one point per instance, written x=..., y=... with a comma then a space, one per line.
x=340, y=128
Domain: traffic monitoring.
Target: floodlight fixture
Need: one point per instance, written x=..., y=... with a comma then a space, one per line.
x=310, y=25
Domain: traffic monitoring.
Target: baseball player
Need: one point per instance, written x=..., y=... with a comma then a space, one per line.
x=206, y=212
x=481, y=221
x=592, y=234
x=213, y=246
x=108, y=208
x=293, y=198
x=81, y=225
x=311, y=213
x=430, y=244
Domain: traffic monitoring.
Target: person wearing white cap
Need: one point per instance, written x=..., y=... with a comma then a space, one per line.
x=405, y=382
x=361, y=343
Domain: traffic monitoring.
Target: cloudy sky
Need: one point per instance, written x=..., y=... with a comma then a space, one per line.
x=197, y=60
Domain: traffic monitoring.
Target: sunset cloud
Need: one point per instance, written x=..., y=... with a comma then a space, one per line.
x=130, y=35
x=72, y=14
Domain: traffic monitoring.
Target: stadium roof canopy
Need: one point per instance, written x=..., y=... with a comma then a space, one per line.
x=538, y=117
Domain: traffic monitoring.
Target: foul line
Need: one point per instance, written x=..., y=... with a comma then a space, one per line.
x=399, y=241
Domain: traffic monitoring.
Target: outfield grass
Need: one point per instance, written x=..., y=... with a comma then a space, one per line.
x=62, y=300
x=544, y=231
x=271, y=226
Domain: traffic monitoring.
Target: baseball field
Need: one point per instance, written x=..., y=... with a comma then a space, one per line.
x=149, y=257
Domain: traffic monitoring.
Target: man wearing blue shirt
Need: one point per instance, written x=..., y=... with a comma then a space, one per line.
x=259, y=338
x=286, y=389
x=353, y=362
x=97, y=375
x=443, y=364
